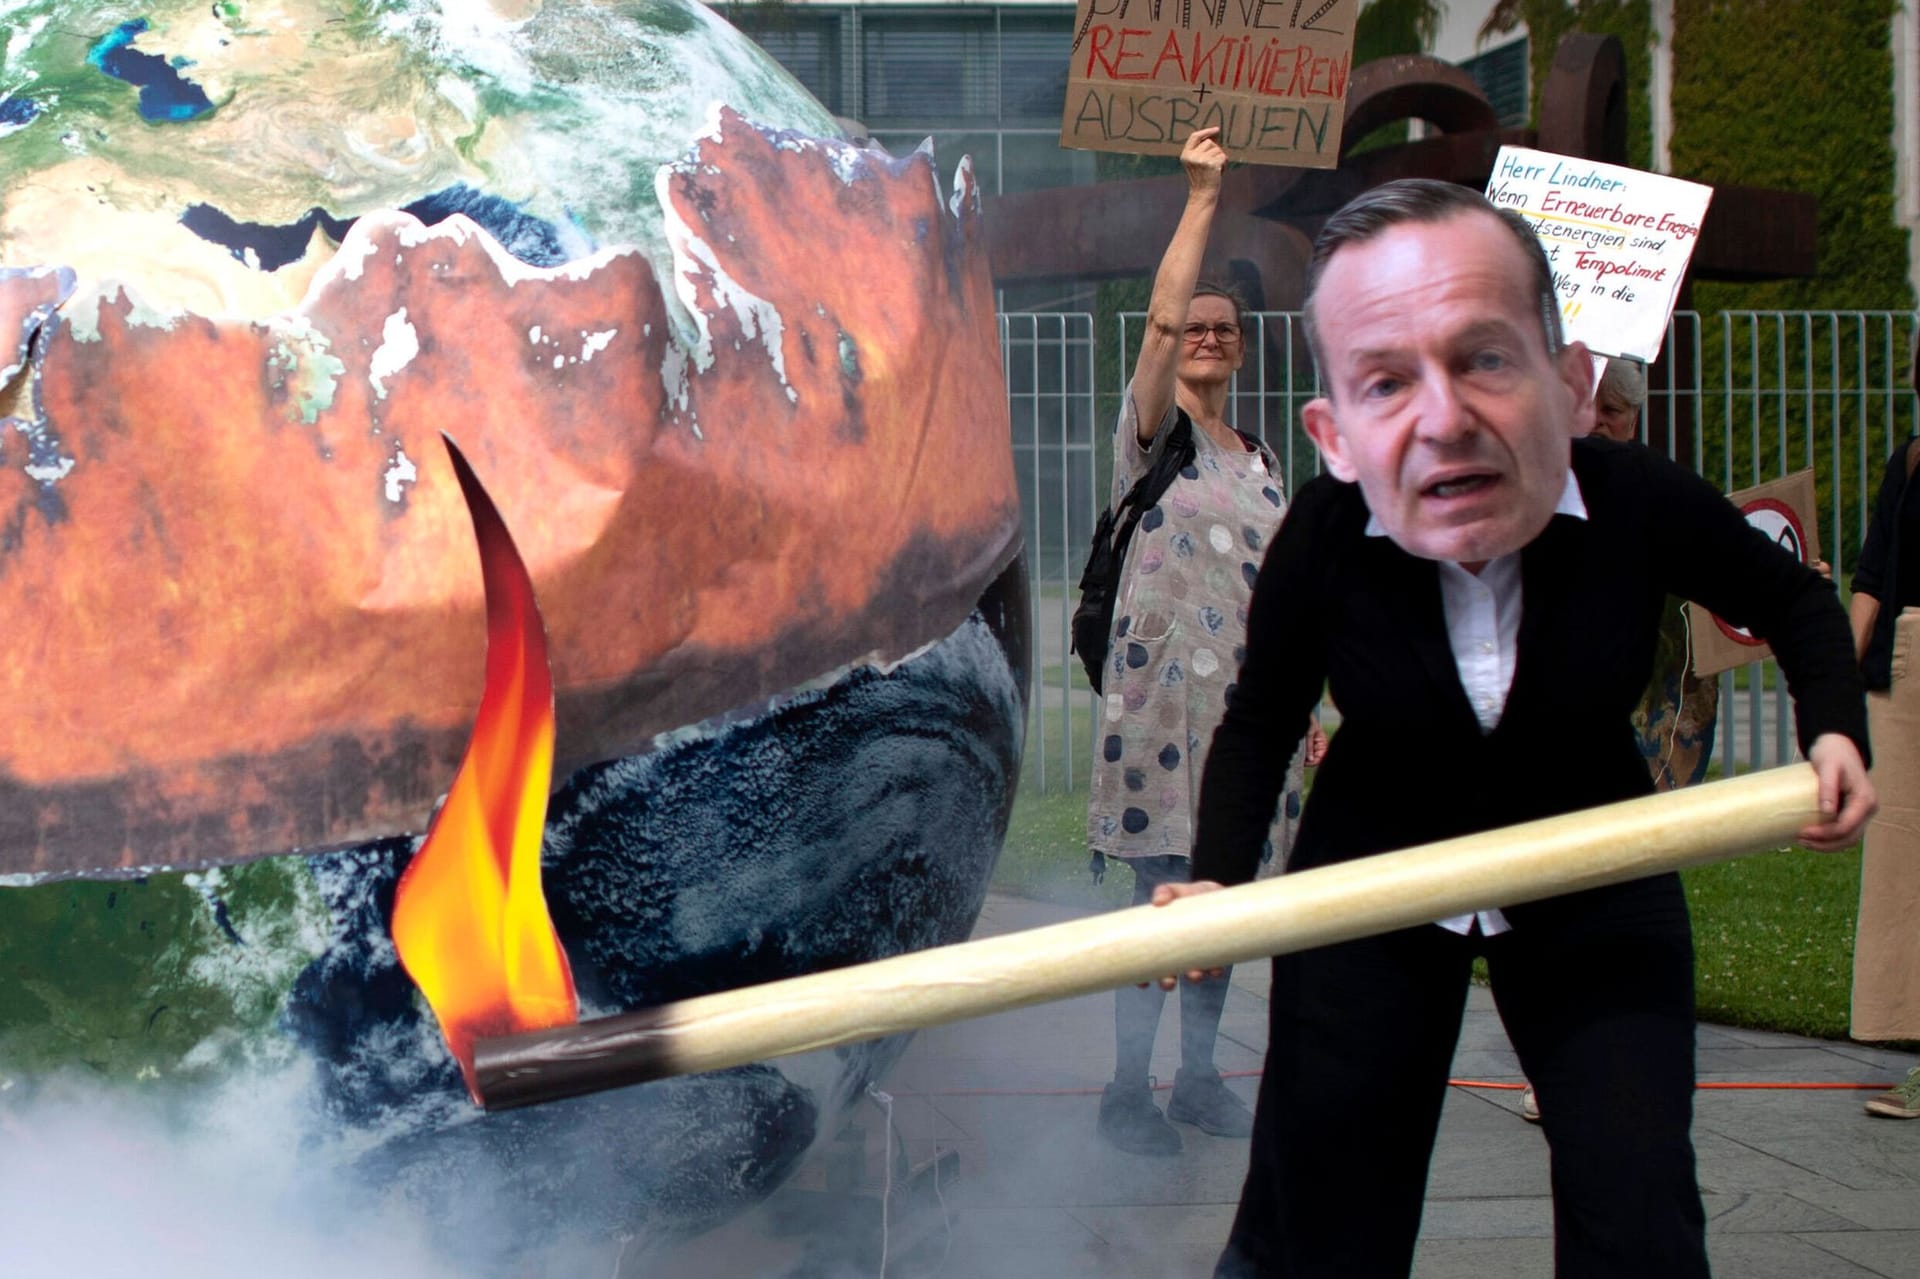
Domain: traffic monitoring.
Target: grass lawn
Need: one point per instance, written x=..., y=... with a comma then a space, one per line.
x=1773, y=933
x=1773, y=940
x=1045, y=856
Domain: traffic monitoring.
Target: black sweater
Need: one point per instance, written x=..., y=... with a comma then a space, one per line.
x=1884, y=572
x=1410, y=763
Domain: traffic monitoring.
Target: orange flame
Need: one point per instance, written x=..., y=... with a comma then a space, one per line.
x=469, y=919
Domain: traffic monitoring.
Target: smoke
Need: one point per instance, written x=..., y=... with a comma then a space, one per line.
x=1026, y=1191
x=108, y=1183
x=101, y=1183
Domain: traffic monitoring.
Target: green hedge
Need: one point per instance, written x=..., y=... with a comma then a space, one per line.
x=1798, y=95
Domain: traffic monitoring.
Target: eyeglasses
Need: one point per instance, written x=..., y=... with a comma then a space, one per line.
x=1224, y=334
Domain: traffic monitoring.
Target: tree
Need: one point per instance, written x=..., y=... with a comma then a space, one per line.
x=1387, y=27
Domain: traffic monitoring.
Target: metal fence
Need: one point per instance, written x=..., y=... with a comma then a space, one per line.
x=1743, y=397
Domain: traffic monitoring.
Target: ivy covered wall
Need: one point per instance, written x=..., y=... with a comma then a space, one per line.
x=1797, y=94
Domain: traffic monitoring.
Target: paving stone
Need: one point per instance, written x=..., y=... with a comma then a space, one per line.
x=1481, y=1029
x=1880, y=1062
x=1160, y=1239
x=1472, y=1063
x=1726, y=1166
x=1488, y=1155
x=1775, y=1062
x=1488, y=1217
x=1824, y=1135
x=1893, y=1253
x=1046, y=1151
x=1480, y=1258
x=1769, y=1212
x=1892, y=1210
x=1782, y=1256
x=1012, y=1243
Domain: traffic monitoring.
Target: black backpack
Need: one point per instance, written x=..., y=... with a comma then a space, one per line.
x=1092, y=626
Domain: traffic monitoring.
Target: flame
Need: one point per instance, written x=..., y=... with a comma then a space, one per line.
x=469, y=919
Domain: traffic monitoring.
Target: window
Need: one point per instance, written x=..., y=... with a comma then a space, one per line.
x=989, y=82
x=1502, y=75
x=928, y=68
x=1033, y=66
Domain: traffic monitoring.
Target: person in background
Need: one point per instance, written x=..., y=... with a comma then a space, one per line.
x=1618, y=399
x=1885, y=614
x=1179, y=626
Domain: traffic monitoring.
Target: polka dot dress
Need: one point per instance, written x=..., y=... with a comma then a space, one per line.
x=1179, y=626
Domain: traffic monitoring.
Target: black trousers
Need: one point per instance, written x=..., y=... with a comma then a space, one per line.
x=1596, y=991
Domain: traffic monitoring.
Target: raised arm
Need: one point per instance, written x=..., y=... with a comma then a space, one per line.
x=1153, y=374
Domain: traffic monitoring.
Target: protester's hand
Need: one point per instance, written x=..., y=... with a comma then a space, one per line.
x=1204, y=159
x=1165, y=893
x=1847, y=799
x=1823, y=568
x=1316, y=744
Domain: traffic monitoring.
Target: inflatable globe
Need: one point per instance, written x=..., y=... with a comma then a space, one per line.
x=732, y=381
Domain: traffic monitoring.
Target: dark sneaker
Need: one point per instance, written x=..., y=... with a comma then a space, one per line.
x=1902, y=1102
x=1202, y=1100
x=1131, y=1122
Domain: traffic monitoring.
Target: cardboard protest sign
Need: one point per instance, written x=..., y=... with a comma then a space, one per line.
x=1272, y=74
x=1619, y=240
x=1785, y=511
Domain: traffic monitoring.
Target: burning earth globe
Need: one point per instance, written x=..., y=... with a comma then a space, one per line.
x=731, y=382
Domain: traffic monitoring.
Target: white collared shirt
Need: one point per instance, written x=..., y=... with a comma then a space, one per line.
x=1483, y=629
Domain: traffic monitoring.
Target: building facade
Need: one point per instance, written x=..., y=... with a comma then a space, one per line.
x=982, y=80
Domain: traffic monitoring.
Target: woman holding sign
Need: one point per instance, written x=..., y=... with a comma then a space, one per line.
x=1179, y=627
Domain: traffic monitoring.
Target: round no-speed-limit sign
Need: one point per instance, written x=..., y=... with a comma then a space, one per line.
x=1781, y=523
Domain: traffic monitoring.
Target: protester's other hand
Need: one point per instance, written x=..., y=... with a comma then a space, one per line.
x=1316, y=744
x=1164, y=893
x=1821, y=567
x=1847, y=799
x=1204, y=159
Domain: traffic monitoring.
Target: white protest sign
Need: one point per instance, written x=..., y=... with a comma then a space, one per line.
x=1618, y=240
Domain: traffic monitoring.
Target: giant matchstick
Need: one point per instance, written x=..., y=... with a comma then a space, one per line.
x=1369, y=895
